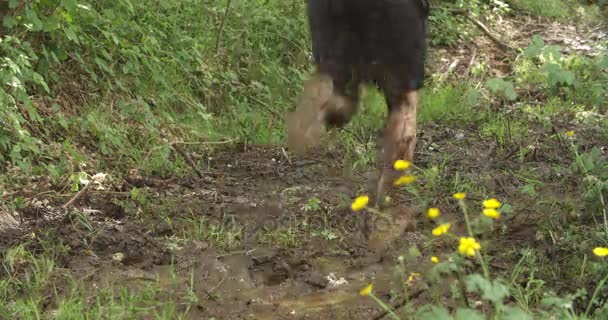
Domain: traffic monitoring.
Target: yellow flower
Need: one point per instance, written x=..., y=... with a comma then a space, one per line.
x=442, y=229
x=468, y=246
x=366, y=291
x=360, y=203
x=492, y=203
x=413, y=276
x=600, y=252
x=460, y=195
x=402, y=165
x=491, y=213
x=434, y=259
x=404, y=180
x=433, y=213
x=570, y=133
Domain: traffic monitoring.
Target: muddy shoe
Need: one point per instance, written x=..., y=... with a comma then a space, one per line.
x=305, y=124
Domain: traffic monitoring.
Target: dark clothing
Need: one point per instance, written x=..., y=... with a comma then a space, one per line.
x=377, y=41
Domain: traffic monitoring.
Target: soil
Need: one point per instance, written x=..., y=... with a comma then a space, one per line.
x=256, y=190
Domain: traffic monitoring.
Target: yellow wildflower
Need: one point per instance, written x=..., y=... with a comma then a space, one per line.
x=460, y=195
x=360, y=203
x=570, y=133
x=413, y=276
x=433, y=213
x=492, y=203
x=600, y=251
x=404, y=180
x=468, y=246
x=442, y=229
x=402, y=165
x=491, y=213
x=366, y=291
x=434, y=259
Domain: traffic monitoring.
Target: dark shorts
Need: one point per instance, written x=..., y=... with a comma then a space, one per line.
x=378, y=41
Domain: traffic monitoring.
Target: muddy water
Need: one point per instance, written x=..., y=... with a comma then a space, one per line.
x=327, y=288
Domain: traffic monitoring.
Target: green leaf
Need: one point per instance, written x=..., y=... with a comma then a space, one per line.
x=558, y=76
x=32, y=17
x=553, y=53
x=468, y=314
x=507, y=208
x=12, y=4
x=70, y=34
x=510, y=92
x=493, y=291
x=52, y=23
x=433, y=312
x=9, y=22
x=500, y=86
x=528, y=190
x=603, y=62
x=514, y=313
x=69, y=5
x=473, y=97
x=534, y=49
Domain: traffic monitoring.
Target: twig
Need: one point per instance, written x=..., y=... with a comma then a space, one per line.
x=186, y=156
x=206, y=143
x=399, y=305
x=221, y=29
x=78, y=195
x=483, y=28
x=470, y=67
x=268, y=107
x=286, y=156
x=489, y=34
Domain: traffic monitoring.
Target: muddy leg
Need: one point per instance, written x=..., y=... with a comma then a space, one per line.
x=398, y=141
x=304, y=124
x=324, y=101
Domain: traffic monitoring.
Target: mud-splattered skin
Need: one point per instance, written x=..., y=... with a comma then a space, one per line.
x=380, y=42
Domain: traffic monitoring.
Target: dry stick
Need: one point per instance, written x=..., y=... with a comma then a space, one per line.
x=502, y=45
x=286, y=156
x=222, y=23
x=186, y=156
x=489, y=34
x=399, y=305
x=268, y=107
x=78, y=195
x=470, y=67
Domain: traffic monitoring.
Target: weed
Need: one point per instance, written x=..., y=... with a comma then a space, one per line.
x=493, y=290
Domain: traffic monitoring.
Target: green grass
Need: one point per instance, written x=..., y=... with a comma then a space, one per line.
x=35, y=280
x=551, y=8
x=447, y=105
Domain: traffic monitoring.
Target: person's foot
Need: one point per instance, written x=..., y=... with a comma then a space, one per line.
x=305, y=124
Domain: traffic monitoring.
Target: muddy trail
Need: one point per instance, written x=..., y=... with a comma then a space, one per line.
x=239, y=239
x=266, y=234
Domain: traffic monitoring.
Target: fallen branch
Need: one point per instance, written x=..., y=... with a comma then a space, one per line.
x=78, y=195
x=399, y=305
x=502, y=45
x=188, y=159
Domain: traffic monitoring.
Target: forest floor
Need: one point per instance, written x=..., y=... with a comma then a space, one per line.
x=266, y=234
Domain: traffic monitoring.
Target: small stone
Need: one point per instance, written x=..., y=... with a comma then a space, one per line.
x=119, y=256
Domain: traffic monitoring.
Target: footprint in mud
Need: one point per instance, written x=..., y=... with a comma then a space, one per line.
x=385, y=231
